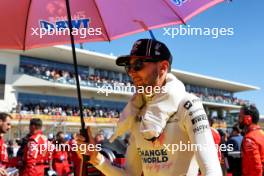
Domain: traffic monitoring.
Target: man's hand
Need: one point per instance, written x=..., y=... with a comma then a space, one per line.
x=3, y=172
x=95, y=156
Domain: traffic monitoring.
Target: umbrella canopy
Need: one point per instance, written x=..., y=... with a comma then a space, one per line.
x=38, y=23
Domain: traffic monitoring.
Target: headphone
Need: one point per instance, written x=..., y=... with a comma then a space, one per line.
x=251, y=114
x=247, y=120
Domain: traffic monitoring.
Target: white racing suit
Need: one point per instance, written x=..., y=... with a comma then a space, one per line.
x=159, y=107
x=185, y=145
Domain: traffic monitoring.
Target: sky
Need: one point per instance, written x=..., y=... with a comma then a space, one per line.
x=237, y=57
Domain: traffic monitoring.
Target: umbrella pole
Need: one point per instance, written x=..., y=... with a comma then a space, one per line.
x=152, y=35
x=83, y=130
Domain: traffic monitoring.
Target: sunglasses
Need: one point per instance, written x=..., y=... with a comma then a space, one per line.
x=139, y=64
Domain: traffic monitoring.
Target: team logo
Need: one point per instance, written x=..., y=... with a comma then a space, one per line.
x=188, y=105
x=135, y=47
x=200, y=118
x=157, y=48
x=178, y=2
x=63, y=24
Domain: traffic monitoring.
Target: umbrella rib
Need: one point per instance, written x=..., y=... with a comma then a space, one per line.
x=25, y=31
x=96, y=6
x=183, y=22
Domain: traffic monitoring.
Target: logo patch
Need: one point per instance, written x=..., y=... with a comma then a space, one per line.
x=63, y=24
x=135, y=47
x=201, y=128
x=199, y=119
x=178, y=2
x=188, y=105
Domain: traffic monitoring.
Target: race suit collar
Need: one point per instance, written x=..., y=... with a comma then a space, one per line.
x=253, y=127
x=38, y=132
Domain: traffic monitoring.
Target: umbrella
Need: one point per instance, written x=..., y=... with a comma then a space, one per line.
x=36, y=23
x=30, y=24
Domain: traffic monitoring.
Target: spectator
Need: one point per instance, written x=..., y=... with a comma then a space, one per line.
x=235, y=138
x=253, y=143
x=10, y=149
x=216, y=136
x=234, y=159
x=99, y=137
x=224, y=163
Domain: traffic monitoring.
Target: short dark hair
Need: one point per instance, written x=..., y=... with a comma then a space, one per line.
x=58, y=134
x=252, y=111
x=236, y=128
x=211, y=121
x=36, y=122
x=4, y=115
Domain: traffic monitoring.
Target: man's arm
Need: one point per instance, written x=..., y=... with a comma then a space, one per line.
x=133, y=163
x=32, y=152
x=251, y=151
x=198, y=129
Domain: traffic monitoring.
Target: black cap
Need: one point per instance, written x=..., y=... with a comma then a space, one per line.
x=148, y=48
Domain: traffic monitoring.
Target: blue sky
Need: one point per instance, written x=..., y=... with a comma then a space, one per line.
x=237, y=58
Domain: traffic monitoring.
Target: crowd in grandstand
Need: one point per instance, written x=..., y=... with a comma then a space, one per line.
x=62, y=110
x=66, y=77
x=222, y=99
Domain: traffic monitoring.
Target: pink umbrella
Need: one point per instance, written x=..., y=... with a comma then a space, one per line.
x=23, y=22
x=30, y=24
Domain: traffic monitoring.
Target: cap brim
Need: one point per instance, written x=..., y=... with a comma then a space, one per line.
x=123, y=60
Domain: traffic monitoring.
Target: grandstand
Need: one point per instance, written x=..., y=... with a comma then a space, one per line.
x=40, y=83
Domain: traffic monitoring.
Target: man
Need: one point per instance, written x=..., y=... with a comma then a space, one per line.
x=99, y=137
x=34, y=153
x=234, y=157
x=159, y=128
x=235, y=138
x=253, y=143
x=60, y=157
x=75, y=156
x=216, y=136
x=5, y=125
x=10, y=149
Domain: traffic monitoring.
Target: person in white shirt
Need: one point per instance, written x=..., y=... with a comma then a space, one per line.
x=170, y=133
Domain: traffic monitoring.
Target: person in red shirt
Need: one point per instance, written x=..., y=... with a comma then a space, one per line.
x=216, y=136
x=60, y=157
x=5, y=125
x=34, y=153
x=253, y=143
x=3, y=151
x=75, y=156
